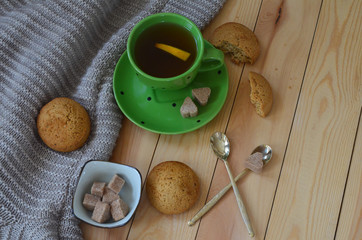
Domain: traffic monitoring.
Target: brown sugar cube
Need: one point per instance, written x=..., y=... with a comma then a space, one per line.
x=90, y=201
x=188, y=108
x=109, y=196
x=119, y=209
x=102, y=212
x=255, y=162
x=116, y=183
x=98, y=188
x=201, y=95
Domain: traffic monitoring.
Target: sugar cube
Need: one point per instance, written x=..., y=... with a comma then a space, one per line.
x=109, y=196
x=119, y=209
x=98, y=188
x=90, y=201
x=116, y=183
x=255, y=162
x=101, y=212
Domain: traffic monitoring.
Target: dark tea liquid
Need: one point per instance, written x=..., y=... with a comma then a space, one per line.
x=157, y=62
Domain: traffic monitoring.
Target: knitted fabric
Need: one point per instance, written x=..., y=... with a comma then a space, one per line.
x=62, y=48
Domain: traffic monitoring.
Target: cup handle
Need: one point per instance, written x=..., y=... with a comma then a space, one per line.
x=213, y=58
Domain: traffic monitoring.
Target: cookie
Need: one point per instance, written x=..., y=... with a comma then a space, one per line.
x=261, y=94
x=172, y=187
x=238, y=41
x=63, y=124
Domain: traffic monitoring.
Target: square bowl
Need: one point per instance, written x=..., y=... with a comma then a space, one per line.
x=101, y=171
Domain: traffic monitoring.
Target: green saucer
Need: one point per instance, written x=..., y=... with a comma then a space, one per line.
x=159, y=110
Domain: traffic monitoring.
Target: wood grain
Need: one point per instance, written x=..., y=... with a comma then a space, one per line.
x=279, y=33
x=316, y=164
x=285, y=46
x=350, y=221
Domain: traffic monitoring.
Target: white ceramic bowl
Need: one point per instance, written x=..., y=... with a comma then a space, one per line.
x=101, y=171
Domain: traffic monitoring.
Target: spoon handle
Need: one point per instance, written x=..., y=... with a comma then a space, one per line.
x=215, y=199
x=241, y=205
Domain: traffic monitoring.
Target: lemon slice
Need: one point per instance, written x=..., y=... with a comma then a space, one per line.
x=181, y=54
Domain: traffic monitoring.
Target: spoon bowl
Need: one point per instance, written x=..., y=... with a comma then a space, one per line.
x=266, y=150
x=221, y=145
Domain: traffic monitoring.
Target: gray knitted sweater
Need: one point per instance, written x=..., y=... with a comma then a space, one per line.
x=62, y=48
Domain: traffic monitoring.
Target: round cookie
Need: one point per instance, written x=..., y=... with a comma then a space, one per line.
x=172, y=187
x=63, y=124
x=237, y=40
x=261, y=94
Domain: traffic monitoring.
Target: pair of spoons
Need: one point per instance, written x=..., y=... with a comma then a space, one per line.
x=221, y=146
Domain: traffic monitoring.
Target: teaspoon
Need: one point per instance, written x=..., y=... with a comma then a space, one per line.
x=221, y=146
x=266, y=150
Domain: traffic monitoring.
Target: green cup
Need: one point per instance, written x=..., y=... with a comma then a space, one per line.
x=206, y=59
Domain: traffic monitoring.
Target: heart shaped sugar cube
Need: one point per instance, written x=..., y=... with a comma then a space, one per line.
x=188, y=108
x=201, y=95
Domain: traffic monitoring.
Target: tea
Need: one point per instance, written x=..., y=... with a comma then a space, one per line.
x=158, y=63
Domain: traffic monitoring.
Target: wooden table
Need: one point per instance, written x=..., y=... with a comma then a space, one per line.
x=311, y=53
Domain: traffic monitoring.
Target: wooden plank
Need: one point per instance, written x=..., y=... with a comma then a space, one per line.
x=312, y=181
x=350, y=221
x=285, y=31
x=127, y=151
x=193, y=148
